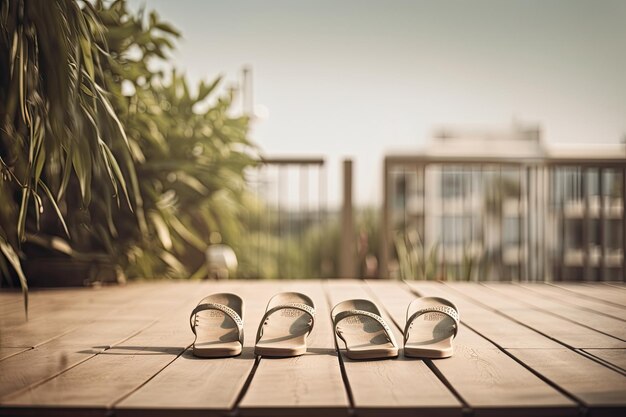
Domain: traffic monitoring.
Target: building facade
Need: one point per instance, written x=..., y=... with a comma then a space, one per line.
x=502, y=205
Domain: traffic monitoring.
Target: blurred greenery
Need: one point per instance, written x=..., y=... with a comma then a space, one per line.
x=414, y=260
x=108, y=160
x=103, y=154
x=307, y=248
x=190, y=151
x=57, y=123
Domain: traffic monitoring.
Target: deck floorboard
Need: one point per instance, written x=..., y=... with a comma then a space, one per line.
x=522, y=350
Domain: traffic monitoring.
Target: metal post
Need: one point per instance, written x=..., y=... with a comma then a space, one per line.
x=601, y=225
x=322, y=207
x=624, y=223
x=463, y=223
x=520, y=230
x=562, y=181
x=458, y=222
x=529, y=189
x=260, y=222
x=422, y=170
x=319, y=220
x=303, y=209
x=541, y=223
x=279, y=258
x=568, y=194
x=444, y=263
x=549, y=240
x=500, y=208
x=585, y=226
x=384, y=230
x=347, y=249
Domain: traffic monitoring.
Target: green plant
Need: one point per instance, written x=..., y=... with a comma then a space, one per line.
x=189, y=148
x=144, y=189
x=413, y=261
x=468, y=264
x=57, y=125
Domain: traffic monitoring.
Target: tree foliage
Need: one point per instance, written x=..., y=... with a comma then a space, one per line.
x=56, y=121
x=190, y=151
x=143, y=175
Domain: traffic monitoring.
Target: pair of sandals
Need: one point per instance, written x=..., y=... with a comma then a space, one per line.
x=217, y=324
x=431, y=325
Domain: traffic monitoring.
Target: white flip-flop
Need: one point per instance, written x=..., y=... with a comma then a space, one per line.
x=431, y=325
x=218, y=325
x=286, y=324
x=365, y=333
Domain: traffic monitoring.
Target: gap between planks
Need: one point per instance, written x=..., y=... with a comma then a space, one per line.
x=73, y=352
x=401, y=386
x=489, y=380
x=596, y=389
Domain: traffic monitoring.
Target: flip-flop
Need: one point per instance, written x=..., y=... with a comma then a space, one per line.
x=216, y=321
x=431, y=325
x=287, y=322
x=359, y=325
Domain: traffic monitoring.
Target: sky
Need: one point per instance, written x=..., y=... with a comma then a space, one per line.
x=359, y=79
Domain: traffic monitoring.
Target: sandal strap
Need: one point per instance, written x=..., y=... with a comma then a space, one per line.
x=350, y=313
x=229, y=312
x=297, y=306
x=444, y=309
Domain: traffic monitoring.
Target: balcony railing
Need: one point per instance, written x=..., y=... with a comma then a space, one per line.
x=467, y=218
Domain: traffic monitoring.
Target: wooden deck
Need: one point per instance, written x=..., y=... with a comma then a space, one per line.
x=523, y=350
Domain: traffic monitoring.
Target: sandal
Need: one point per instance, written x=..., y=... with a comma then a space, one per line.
x=287, y=322
x=431, y=325
x=216, y=322
x=364, y=332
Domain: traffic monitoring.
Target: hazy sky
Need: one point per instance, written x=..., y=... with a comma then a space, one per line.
x=358, y=78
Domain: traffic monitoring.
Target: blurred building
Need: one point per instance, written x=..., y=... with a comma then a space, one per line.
x=504, y=205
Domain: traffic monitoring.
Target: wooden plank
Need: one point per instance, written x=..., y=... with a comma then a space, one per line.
x=39, y=304
x=566, y=358
x=598, y=322
x=10, y=302
x=564, y=296
x=311, y=383
x=53, y=317
x=35, y=333
x=53, y=300
x=499, y=329
x=144, y=363
x=170, y=334
x=598, y=292
x=615, y=284
x=93, y=386
x=399, y=386
x=564, y=331
x=193, y=386
x=488, y=380
x=598, y=387
x=615, y=357
x=89, y=388
x=35, y=366
x=7, y=352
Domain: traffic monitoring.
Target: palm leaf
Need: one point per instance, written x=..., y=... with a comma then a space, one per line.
x=10, y=254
